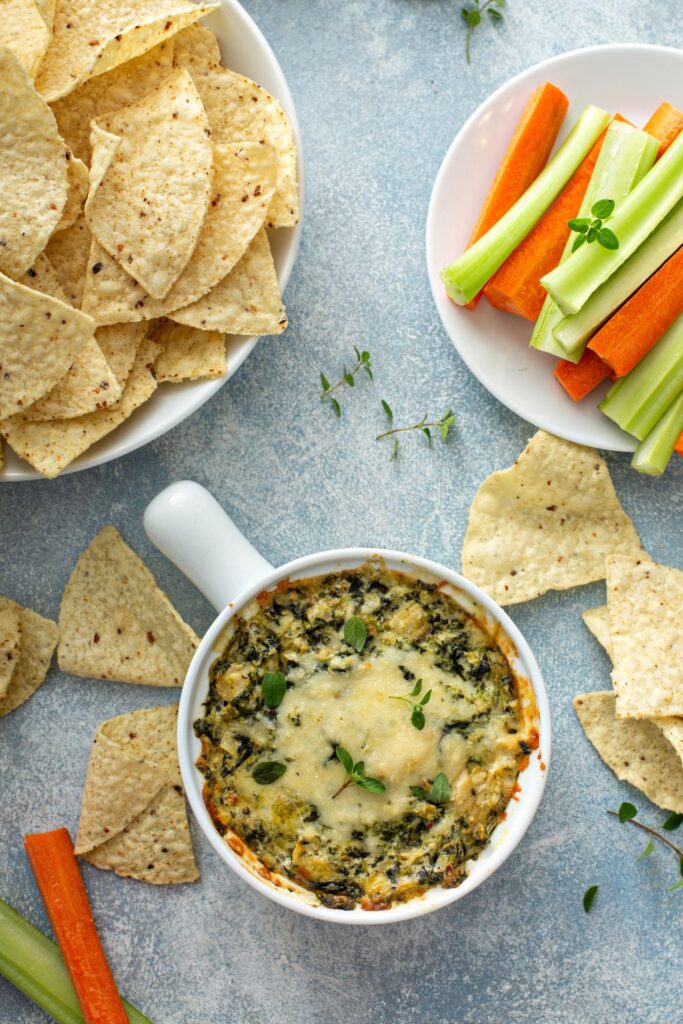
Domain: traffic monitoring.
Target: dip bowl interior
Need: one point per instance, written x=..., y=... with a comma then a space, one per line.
x=186, y=523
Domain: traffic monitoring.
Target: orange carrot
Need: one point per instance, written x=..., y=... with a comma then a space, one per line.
x=579, y=379
x=665, y=124
x=516, y=286
x=525, y=157
x=642, y=320
x=61, y=886
x=678, y=447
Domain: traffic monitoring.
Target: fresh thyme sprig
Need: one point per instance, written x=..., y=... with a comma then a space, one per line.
x=627, y=813
x=472, y=14
x=347, y=379
x=443, y=425
x=591, y=229
x=355, y=774
x=417, y=715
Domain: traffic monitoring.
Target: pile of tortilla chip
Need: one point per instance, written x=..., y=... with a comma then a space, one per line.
x=27, y=642
x=133, y=818
x=138, y=179
x=637, y=728
x=115, y=622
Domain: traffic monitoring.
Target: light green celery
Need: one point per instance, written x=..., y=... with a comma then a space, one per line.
x=640, y=399
x=653, y=453
x=467, y=276
x=625, y=157
x=34, y=964
x=574, y=331
x=573, y=282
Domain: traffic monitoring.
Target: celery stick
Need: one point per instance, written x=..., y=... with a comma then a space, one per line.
x=574, y=331
x=652, y=454
x=640, y=399
x=468, y=275
x=34, y=964
x=625, y=156
x=573, y=282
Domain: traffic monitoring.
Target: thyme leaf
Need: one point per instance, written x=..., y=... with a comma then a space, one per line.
x=355, y=774
x=347, y=379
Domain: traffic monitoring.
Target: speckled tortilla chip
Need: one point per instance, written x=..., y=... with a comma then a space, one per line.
x=68, y=253
x=133, y=818
x=247, y=301
x=40, y=337
x=150, y=183
x=239, y=109
x=10, y=640
x=25, y=32
x=33, y=169
x=597, y=620
x=189, y=354
x=126, y=84
x=645, y=601
x=196, y=43
x=38, y=641
x=53, y=445
x=546, y=523
x=78, y=181
x=243, y=185
x=91, y=37
x=119, y=344
x=115, y=623
x=636, y=751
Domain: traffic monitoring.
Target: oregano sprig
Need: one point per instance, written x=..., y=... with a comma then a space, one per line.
x=355, y=774
x=417, y=715
x=473, y=13
x=425, y=426
x=592, y=229
x=347, y=379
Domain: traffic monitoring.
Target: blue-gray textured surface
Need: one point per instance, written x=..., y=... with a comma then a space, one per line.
x=381, y=87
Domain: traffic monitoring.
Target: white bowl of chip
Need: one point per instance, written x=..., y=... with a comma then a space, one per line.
x=187, y=524
x=244, y=49
x=631, y=79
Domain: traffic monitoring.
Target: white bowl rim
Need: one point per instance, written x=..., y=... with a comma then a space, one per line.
x=24, y=472
x=539, y=420
x=195, y=688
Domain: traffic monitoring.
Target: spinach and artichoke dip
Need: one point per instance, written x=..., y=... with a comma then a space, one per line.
x=362, y=736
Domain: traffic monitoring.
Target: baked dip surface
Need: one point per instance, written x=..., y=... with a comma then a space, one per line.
x=380, y=669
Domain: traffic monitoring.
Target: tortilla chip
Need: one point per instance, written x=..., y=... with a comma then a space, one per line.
x=597, y=620
x=38, y=641
x=133, y=817
x=644, y=602
x=247, y=301
x=189, y=354
x=115, y=623
x=47, y=12
x=33, y=169
x=40, y=337
x=150, y=182
x=196, y=43
x=68, y=253
x=240, y=110
x=636, y=751
x=243, y=185
x=10, y=641
x=119, y=88
x=52, y=446
x=78, y=182
x=24, y=31
x=91, y=37
x=119, y=344
x=546, y=523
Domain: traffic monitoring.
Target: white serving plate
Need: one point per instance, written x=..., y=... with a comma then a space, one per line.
x=244, y=49
x=631, y=79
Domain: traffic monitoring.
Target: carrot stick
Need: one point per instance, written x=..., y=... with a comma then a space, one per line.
x=579, y=379
x=678, y=447
x=51, y=855
x=643, y=319
x=516, y=286
x=525, y=157
x=665, y=124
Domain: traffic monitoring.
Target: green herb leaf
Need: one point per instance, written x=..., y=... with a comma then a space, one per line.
x=472, y=16
x=419, y=792
x=440, y=793
x=416, y=689
x=592, y=235
x=388, y=411
x=673, y=822
x=345, y=758
x=426, y=698
x=494, y=15
x=337, y=408
x=581, y=224
x=679, y=884
x=626, y=812
x=348, y=379
x=358, y=768
x=394, y=451
x=589, y=897
x=607, y=239
x=603, y=209
x=417, y=719
x=374, y=785
x=267, y=772
x=273, y=689
x=578, y=241
x=355, y=633
x=324, y=382
x=650, y=848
